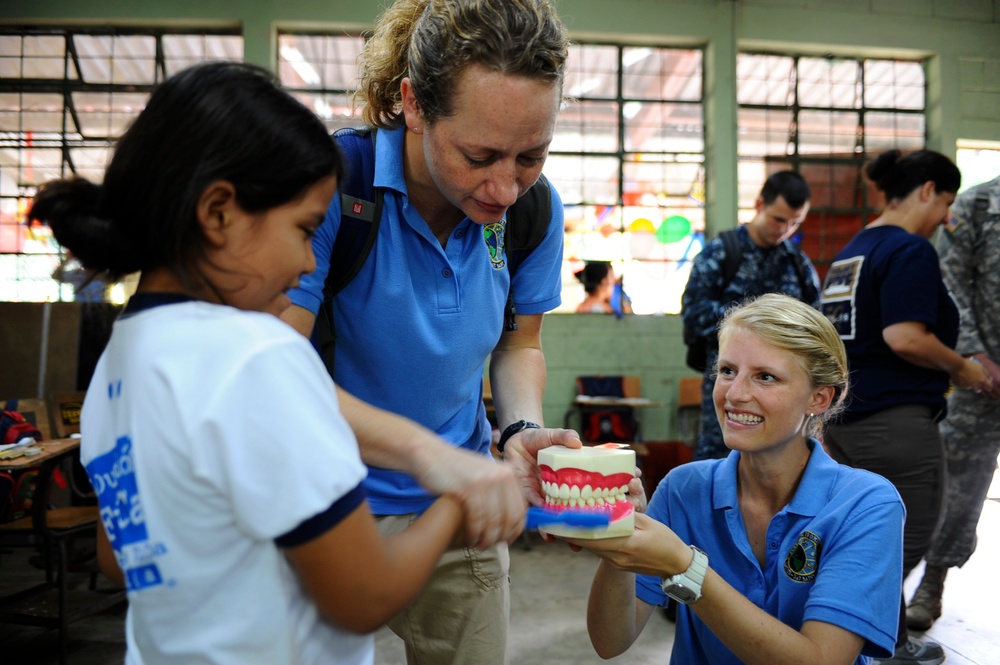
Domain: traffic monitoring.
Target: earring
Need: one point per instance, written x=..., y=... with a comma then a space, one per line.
x=811, y=414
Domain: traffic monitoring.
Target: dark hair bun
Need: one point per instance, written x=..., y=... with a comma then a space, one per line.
x=71, y=209
x=880, y=169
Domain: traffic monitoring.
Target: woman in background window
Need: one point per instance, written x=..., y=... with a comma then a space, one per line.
x=604, y=292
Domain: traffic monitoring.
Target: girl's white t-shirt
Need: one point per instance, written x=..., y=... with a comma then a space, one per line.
x=208, y=432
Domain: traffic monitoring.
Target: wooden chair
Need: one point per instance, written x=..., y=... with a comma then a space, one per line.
x=66, y=409
x=50, y=526
x=605, y=409
x=689, y=409
x=54, y=602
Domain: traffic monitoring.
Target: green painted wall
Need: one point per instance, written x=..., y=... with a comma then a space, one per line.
x=649, y=347
x=961, y=38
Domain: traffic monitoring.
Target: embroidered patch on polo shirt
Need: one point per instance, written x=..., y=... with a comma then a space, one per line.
x=802, y=561
x=493, y=235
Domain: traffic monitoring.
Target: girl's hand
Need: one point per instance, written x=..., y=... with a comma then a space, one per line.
x=488, y=493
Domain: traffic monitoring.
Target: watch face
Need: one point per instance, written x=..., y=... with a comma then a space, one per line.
x=681, y=594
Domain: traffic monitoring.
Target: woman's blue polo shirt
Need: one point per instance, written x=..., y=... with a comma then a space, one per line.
x=416, y=325
x=834, y=554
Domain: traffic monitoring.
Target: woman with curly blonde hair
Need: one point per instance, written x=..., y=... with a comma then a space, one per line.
x=462, y=97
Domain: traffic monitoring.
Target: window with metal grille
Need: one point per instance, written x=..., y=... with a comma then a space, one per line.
x=824, y=117
x=321, y=70
x=628, y=159
x=627, y=156
x=979, y=161
x=66, y=94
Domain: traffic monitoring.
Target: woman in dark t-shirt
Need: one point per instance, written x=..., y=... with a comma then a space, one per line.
x=885, y=295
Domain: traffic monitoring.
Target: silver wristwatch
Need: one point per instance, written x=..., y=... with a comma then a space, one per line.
x=685, y=587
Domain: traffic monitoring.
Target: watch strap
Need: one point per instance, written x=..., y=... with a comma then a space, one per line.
x=513, y=429
x=691, y=580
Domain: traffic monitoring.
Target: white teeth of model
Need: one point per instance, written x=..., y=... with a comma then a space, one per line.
x=593, y=466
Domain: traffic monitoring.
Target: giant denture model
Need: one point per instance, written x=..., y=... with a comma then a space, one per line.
x=593, y=479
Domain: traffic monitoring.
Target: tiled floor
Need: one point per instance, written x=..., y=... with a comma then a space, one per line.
x=548, y=602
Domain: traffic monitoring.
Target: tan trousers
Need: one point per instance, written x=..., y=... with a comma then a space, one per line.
x=462, y=615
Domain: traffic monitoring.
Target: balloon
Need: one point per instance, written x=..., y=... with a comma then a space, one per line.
x=673, y=229
x=640, y=245
x=642, y=225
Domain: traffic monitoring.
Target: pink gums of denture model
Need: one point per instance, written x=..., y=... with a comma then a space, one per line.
x=593, y=479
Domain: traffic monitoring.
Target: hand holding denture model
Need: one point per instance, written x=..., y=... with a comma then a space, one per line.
x=588, y=480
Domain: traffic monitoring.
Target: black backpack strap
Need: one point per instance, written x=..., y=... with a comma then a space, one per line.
x=734, y=255
x=801, y=272
x=698, y=345
x=527, y=222
x=360, y=216
x=360, y=209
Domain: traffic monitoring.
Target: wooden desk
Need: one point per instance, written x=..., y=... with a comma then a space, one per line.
x=585, y=404
x=51, y=449
x=52, y=603
x=631, y=402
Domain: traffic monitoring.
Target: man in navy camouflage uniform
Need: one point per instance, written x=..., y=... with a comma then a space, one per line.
x=767, y=266
x=970, y=264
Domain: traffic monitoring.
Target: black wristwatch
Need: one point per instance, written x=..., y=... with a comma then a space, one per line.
x=513, y=429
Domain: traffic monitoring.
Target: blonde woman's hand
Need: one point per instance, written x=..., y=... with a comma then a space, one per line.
x=652, y=549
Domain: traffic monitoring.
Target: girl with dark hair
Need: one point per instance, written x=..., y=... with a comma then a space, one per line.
x=228, y=482
x=885, y=294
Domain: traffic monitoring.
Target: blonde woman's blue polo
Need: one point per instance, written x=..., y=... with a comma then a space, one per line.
x=834, y=554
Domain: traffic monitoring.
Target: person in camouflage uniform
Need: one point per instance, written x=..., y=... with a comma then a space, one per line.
x=970, y=264
x=768, y=265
